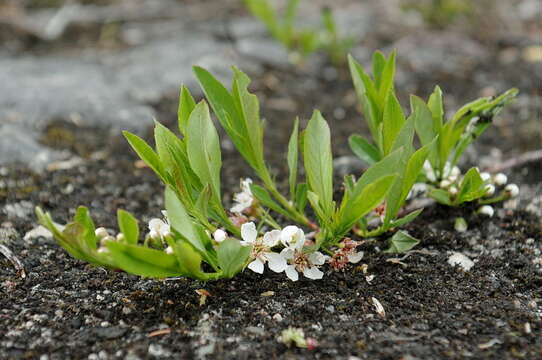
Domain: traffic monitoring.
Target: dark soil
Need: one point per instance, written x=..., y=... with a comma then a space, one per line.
x=66, y=309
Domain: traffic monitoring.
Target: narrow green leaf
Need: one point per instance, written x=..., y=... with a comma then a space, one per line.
x=144, y=261
x=189, y=260
x=186, y=105
x=406, y=219
x=318, y=161
x=441, y=196
x=385, y=88
x=232, y=256
x=471, y=188
x=128, y=226
x=88, y=236
x=203, y=147
x=301, y=197
x=379, y=63
x=437, y=108
x=293, y=147
x=147, y=154
x=401, y=242
x=363, y=149
x=393, y=121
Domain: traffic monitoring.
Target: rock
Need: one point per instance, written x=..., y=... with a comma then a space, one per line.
x=459, y=259
x=345, y=165
x=109, y=333
x=19, y=210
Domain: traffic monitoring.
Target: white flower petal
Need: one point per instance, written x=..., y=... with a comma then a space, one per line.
x=287, y=253
x=355, y=257
x=313, y=273
x=292, y=236
x=249, y=232
x=275, y=261
x=256, y=266
x=155, y=224
x=291, y=272
x=271, y=238
x=238, y=208
x=317, y=258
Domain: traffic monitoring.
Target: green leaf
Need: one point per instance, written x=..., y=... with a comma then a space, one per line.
x=293, y=147
x=318, y=161
x=393, y=121
x=401, y=242
x=379, y=63
x=189, y=260
x=186, y=105
x=405, y=219
x=147, y=154
x=144, y=261
x=128, y=226
x=361, y=204
x=301, y=196
x=385, y=86
x=232, y=256
x=437, y=108
x=203, y=147
x=441, y=196
x=471, y=188
x=182, y=223
x=88, y=235
x=363, y=149
x=262, y=10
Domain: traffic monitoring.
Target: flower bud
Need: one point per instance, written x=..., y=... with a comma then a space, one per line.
x=445, y=184
x=101, y=232
x=120, y=237
x=220, y=235
x=106, y=239
x=455, y=171
x=452, y=190
x=490, y=190
x=169, y=250
x=512, y=190
x=486, y=210
x=485, y=176
x=460, y=225
x=500, y=179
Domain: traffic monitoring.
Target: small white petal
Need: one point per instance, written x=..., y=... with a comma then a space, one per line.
x=169, y=250
x=291, y=272
x=313, y=273
x=220, y=235
x=153, y=234
x=155, y=224
x=490, y=190
x=271, y=238
x=276, y=262
x=317, y=258
x=256, y=266
x=101, y=232
x=287, y=253
x=245, y=185
x=444, y=184
x=455, y=171
x=249, y=232
x=355, y=257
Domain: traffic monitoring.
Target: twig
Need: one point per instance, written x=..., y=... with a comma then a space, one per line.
x=14, y=260
x=520, y=160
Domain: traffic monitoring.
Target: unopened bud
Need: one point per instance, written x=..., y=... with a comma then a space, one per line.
x=490, y=190
x=452, y=190
x=460, y=225
x=220, y=235
x=101, y=232
x=169, y=250
x=486, y=210
x=120, y=237
x=485, y=176
x=512, y=190
x=500, y=179
x=445, y=184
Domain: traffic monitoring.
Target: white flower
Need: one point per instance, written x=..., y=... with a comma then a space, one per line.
x=485, y=176
x=243, y=199
x=512, y=190
x=158, y=229
x=220, y=235
x=292, y=237
x=500, y=179
x=455, y=171
x=452, y=190
x=261, y=249
x=490, y=190
x=486, y=210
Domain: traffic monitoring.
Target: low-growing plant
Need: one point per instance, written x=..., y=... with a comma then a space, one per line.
x=302, y=41
x=440, y=13
x=443, y=142
x=198, y=237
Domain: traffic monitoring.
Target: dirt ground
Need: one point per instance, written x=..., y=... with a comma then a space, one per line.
x=65, y=309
